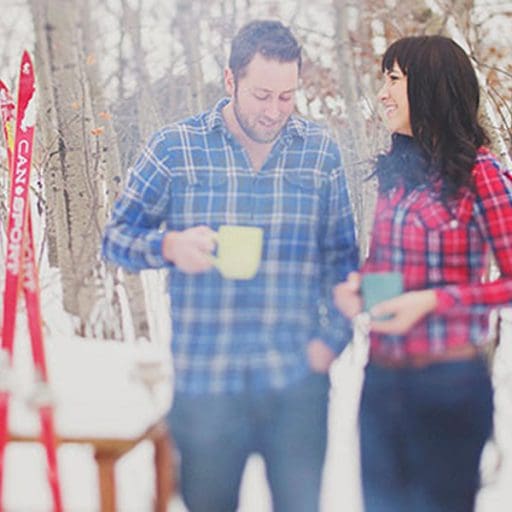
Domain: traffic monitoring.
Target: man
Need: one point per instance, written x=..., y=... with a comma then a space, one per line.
x=251, y=357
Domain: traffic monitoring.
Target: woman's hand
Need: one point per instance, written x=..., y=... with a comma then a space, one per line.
x=405, y=310
x=346, y=295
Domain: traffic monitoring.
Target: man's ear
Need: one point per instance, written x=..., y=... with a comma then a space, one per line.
x=229, y=81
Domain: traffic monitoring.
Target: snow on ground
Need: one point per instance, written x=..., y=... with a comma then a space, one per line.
x=26, y=485
x=341, y=477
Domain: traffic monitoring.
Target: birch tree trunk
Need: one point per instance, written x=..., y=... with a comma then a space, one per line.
x=357, y=155
x=47, y=123
x=76, y=211
x=189, y=38
x=109, y=174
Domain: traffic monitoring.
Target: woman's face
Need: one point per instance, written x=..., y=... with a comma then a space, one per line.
x=394, y=101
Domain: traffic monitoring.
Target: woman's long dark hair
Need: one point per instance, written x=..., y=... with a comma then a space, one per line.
x=443, y=94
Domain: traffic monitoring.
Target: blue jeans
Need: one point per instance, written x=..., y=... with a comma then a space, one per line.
x=215, y=434
x=422, y=434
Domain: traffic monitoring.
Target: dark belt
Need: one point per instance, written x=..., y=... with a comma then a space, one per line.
x=459, y=353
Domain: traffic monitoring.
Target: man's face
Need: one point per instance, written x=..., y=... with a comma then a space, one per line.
x=264, y=97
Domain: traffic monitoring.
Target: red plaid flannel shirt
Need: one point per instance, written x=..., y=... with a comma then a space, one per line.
x=446, y=249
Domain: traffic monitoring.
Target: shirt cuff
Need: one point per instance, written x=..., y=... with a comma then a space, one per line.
x=155, y=257
x=445, y=300
x=338, y=338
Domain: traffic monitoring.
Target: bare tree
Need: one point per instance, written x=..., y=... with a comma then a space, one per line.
x=95, y=72
x=189, y=38
x=76, y=207
x=108, y=172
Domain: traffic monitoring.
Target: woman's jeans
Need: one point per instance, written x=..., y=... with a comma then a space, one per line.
x=422, y=434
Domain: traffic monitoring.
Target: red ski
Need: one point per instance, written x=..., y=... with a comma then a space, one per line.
x=21, y=268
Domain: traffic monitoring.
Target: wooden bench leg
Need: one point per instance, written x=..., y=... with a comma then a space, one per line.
x=107, y=482
x=165, y=478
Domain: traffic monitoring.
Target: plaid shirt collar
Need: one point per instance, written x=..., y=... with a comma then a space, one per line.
x=294, y=127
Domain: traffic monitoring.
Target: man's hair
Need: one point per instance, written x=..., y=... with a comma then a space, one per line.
x=269, y=38
x=443, y=94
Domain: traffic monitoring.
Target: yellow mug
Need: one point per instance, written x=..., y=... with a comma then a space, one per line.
x=238, y=251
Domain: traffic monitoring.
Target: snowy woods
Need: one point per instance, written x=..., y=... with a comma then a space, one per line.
x=109, y=72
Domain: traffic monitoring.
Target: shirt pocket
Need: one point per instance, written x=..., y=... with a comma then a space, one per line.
x=301, y=198
x=451, y=238
x=198, y=198
x=302, y=180
x=291, y=214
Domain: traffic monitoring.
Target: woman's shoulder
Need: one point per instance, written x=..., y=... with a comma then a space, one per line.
x=483, y=153
x=489, y=169
x=487, y=162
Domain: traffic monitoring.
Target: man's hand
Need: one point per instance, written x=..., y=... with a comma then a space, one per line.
x=190, y=250
x=346, y=295
x=406, y=310
x=320, y=355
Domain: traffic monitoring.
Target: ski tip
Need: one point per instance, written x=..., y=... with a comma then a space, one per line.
x=5, y=95
x=26, y=63
x=6, y=100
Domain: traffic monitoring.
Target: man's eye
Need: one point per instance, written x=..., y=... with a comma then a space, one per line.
x=262, y=97
x=285, y=98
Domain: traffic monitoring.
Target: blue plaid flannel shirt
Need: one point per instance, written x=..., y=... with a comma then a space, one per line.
x=229, y=335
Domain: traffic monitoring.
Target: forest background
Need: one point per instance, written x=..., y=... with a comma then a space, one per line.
x=110, y=72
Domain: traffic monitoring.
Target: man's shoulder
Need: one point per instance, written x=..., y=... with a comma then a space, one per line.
x=196, y=124
x=316, y=137
x=312, y=129
x=184, y=134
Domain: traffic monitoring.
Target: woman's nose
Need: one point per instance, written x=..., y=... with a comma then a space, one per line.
x=382, y=94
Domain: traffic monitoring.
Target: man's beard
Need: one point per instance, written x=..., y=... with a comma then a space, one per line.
x=251, y=132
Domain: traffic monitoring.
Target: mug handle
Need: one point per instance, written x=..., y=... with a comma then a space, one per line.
x=214, y=259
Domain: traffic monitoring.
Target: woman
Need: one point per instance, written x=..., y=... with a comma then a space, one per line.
x=445, y=204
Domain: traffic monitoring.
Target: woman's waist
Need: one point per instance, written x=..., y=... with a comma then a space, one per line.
x=462, y=351
x=438, y=338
